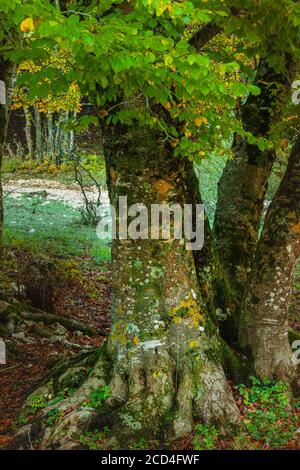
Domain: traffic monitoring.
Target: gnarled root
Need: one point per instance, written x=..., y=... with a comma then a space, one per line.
x=157, y=390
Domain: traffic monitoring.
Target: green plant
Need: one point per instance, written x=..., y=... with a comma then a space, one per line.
x=52, y=416
x=205, y=438
x=268, y=415
x=139, y=445
x=92, y=440
x=98, y=397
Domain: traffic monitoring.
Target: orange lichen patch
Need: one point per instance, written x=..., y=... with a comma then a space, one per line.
x=163, y=187
x=296, y=228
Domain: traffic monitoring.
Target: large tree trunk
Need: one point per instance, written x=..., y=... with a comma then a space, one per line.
x=162, y=360
x=264, y=322
x=243, y=185
x=171, y=371
x=7, y=71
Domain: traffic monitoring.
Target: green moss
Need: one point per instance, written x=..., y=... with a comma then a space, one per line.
x=294, y=336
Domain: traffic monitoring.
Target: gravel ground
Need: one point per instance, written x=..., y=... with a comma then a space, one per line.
x=69, y=194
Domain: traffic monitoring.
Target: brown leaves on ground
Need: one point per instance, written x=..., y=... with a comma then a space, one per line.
x=85, y=298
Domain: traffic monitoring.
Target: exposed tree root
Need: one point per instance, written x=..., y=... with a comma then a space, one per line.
x=49, y=318
x=12, y=313
x=157, y=391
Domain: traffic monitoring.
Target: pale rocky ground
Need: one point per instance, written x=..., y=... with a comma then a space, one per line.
x=67, y=193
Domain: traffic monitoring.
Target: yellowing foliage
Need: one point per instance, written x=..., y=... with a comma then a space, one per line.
x=188, y=308
x=27, y=25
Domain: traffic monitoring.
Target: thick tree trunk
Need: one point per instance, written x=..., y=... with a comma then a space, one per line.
x=156, y=303
x=162, y=361
x=264, y=327
x=7, y=71
x=243, y=185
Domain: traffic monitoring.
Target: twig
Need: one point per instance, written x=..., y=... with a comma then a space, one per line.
x=10, y=368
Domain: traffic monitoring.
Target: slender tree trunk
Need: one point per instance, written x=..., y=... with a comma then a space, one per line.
x=264, y=322
x=38, y=135
x=58, y=137
x=28, y=123
x=65, y=135
x=72, y=137
x=7, y=71
x=50, y=136
x=243, y=185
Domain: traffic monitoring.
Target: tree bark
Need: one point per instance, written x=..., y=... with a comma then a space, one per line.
x=50, y=135
x=162, y=369
x=264, y=321
x=28, y=122
x=7, y=71
x=243, y=185
x=173, y=369
x=38, y=135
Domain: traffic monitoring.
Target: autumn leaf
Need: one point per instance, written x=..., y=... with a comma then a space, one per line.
x=199, y=121
x=27, y=25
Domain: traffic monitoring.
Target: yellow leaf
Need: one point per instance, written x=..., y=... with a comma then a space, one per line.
x=163, y=187
x=136, y=340
x=200, y=120
x=296, y=228
x=27, y=25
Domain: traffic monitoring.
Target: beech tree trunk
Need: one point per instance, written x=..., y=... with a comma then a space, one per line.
x=164, y=366
x=264, y=322
x=7, y=71
x=243, y=185
x=162, y=361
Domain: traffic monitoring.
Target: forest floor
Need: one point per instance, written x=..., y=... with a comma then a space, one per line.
x=34, y=356
x=43, y=219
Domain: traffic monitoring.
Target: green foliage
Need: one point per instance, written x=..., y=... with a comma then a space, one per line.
x=269, y=416
x=98, y=397
x=205, y=438
x=142, y=54
x=52, y=416
x=141, y=444
x=92, y=440
x=37, y=402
